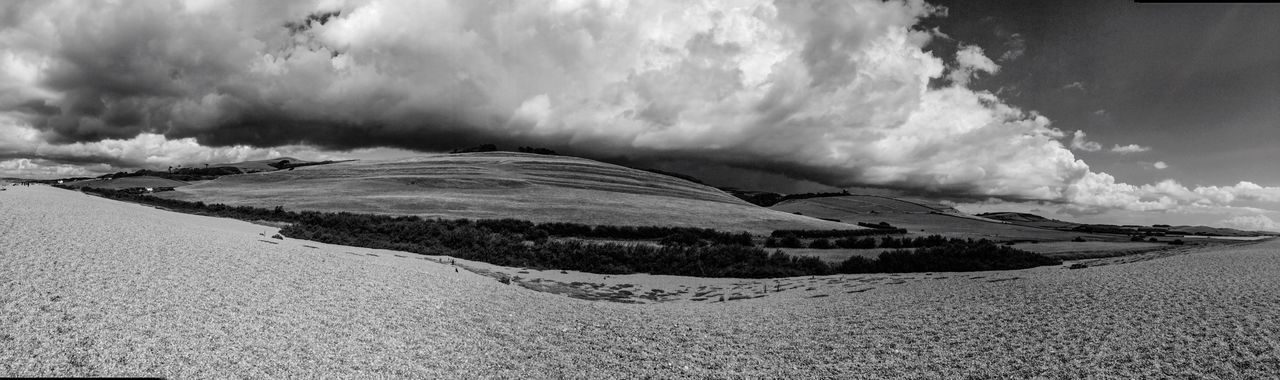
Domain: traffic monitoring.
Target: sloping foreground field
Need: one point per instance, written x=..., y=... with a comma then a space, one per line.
x=96, y=287
x=914, y=218
x=499, y=185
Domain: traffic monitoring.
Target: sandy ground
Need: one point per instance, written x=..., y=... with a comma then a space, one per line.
x=92, y=287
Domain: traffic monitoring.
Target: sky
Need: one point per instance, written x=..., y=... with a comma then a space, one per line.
x=1094, y=111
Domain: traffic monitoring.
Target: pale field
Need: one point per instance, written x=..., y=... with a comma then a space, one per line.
x=93, y=287
x=499, y=185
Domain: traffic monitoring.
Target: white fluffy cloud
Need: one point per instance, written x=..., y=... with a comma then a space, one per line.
x=36, y=168
x=1252, y=223
x=970, y=60
x=147, y=150
x=1102, y=190
x=1079, y=142
x=1160, y=165
x=1131, y=148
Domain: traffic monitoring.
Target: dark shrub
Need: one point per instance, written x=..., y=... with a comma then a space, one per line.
x=479, y=148
x=1177, y=242
x=956, y=256
x=537, y=235
x=543, y=151
x=682, y=239
x=1078, y=239
x=790, y=241
x=815, y=234
x=821, y=244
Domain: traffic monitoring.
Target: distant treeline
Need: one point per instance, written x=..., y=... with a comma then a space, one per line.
x=1128, y=230
x=766, y=199
x=683, y=251
x=888, y=242
x=816, y=234
x=142, y=190
x=542, y=151
x=955, y=256
x=286, y=164
x=880, y=226
x=494, y=148
x=562, y=229
x=207, y=173
x=179, y=174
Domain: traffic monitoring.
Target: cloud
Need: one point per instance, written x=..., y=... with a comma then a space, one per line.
x=1074, y=85
x=836, y=92
x=23, y=153
x=1015, y=47
x=1131, y=148
x=1160, y=165
x=1079, y=142
x=1251, y=223
x=37, y=168
x=970, y=60
x=1102, y=190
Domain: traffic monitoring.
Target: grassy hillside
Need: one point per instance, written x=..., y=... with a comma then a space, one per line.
x=1031, y=220
x=257, y=166
x=127, y=182
x=491, y=185
x=920, y=217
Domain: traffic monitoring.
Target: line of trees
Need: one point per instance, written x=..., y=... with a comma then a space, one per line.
x=879, y=226
x=510, y=242
x=955, y=256
x=494, y=148
x=818, y=234
x=534, y=150
x=890, y=242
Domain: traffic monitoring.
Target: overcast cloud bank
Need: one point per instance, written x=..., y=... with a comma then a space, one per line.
x=836, y=92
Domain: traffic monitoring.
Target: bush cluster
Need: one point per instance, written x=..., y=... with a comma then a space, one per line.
x=790, y=241
x=767, y=199
x=955, y=256
x=476, y=149
x=542, y=151
x=826, y=234
x=879, y=226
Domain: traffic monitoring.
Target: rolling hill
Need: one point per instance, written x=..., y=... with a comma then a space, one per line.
x=920, y=217
x=1030, y=220
x=258, y=165
x=489, y=185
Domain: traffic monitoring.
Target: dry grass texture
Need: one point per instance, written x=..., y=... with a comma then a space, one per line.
x=96, y=287
x=499, y=185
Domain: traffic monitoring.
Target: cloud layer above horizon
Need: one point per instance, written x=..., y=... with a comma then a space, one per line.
x=837, y=92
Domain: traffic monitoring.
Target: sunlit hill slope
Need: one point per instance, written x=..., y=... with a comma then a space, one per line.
x=499, y=185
